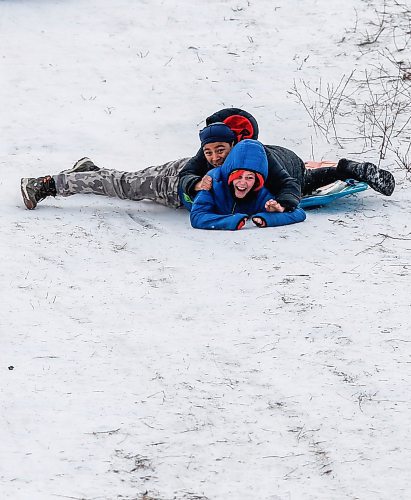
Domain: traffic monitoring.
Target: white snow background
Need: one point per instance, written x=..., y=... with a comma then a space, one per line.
x=143, y=359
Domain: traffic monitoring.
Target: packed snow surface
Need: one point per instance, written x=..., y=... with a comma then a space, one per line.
x=143, y=359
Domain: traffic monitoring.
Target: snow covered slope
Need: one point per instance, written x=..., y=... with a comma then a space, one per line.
x=143, y=359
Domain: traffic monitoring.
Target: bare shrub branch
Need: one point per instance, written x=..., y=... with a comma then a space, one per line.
x=379, y=97
x=324, y=106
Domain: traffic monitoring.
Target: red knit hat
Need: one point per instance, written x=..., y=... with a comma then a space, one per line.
x=259, y=179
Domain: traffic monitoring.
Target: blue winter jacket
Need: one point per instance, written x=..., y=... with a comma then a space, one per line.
x=219, y=209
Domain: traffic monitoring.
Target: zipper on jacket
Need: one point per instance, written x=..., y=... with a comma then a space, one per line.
x=232, y=210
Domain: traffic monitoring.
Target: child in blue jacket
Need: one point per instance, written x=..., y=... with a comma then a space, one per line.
x=238, y=193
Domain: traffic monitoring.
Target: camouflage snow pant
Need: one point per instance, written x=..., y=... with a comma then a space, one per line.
x=158, y=183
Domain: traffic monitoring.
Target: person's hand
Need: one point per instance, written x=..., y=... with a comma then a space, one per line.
x=274, y=206
x=205, y=184
x=259, y=221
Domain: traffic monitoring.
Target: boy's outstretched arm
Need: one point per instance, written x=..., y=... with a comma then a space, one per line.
x=273, y=219
x=203, y=215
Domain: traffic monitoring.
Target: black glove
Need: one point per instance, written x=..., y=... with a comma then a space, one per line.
x=288, y=205
x=263, y=222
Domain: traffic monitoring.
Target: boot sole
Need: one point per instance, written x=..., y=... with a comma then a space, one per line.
x=30, y=205
x=378, y=179
x=383, y=182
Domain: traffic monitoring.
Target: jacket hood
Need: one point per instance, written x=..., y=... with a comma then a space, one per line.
x=241, y=122
x=246, y=155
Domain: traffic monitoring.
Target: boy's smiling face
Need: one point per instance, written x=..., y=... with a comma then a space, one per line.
x=243, y=184
x=217, y=152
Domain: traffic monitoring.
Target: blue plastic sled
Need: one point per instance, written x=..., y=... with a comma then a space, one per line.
x=323, y=199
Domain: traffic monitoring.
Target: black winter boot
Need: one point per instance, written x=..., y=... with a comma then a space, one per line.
x=378, y=179
x=35, y=190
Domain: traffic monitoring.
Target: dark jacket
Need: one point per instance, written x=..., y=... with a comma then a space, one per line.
x=285, y=168
x=219, y=209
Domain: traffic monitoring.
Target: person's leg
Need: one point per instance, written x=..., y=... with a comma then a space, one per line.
x=159, y=183
x=35, y=190
x=315, y=178
x=378, y=179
